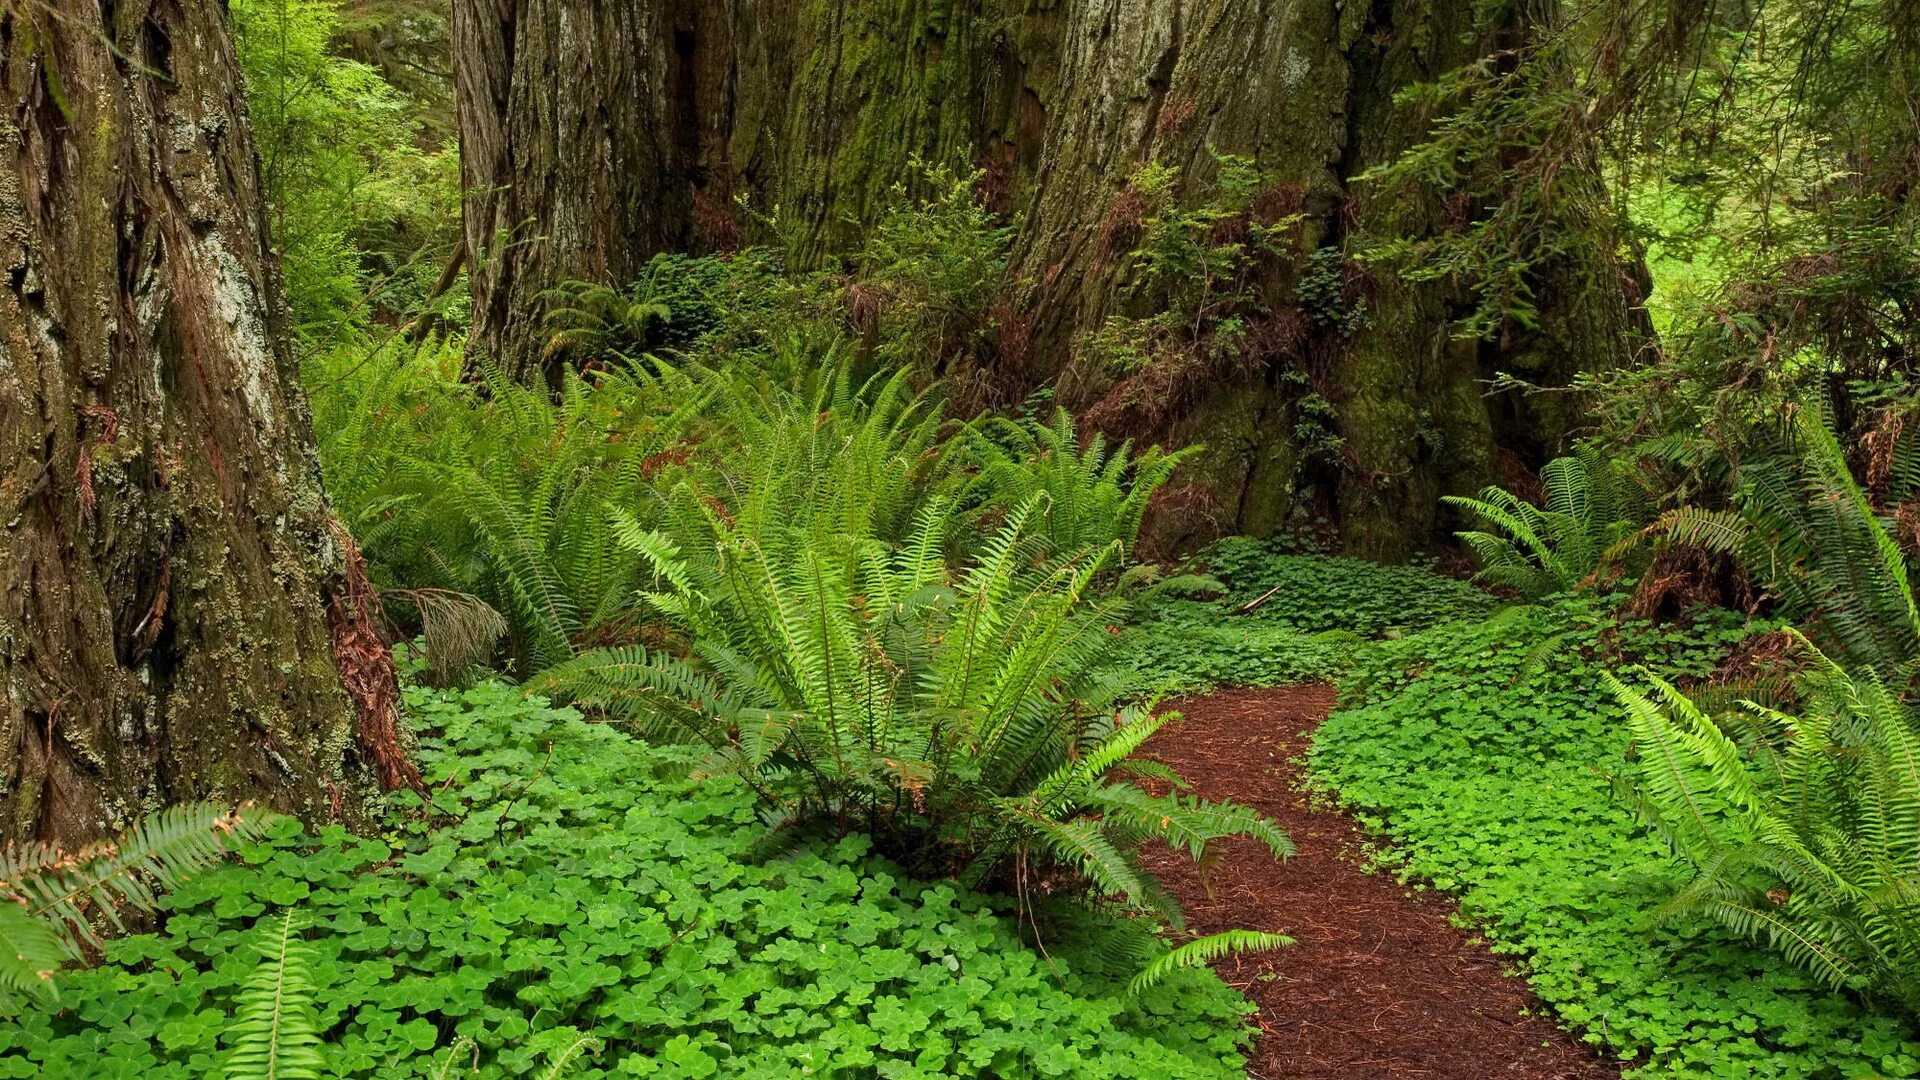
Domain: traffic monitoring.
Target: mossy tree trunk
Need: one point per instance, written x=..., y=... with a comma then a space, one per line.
x=817, y=107
x=576, y=121
x=164, y=627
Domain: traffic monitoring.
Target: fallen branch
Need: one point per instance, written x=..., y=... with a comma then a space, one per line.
x=1253, y=604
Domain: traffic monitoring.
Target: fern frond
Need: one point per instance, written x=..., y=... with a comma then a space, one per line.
x=158, y=852
x=31, y=953
x=1205, y=950
x=276, y=1029
x=558, y=1064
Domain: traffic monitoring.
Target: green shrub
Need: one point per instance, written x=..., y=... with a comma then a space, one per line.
x=1823, y=544
x=720, y=309
x=928, y=271
x=1563, y=546
x=586, y=885
x=501, y=492
x=363, y=217
x=964, y=716
x=1805, y=835
x=1087, y=496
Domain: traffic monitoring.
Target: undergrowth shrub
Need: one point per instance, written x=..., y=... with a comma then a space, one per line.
x=1833, y=551
x=1087, y=494
x=1802, y=827
x=500, y=492
x=584, y=884
x=1563, y=546
x=965, y=715
x=929, y=271
x=362, y=205
x=1803, y=831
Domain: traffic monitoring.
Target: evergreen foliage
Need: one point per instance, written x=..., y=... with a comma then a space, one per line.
x=362, y=204
x=1562, y=546
x=1087, y=493
x=1828, y=548
x=54, y=904
x=963, y=711
x=1807, y=837
x=276, y=1027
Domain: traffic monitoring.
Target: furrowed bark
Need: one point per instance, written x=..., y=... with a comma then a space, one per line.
x=167, y=558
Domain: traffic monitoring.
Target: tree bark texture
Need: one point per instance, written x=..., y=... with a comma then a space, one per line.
x=599, y=133
x=164, y=629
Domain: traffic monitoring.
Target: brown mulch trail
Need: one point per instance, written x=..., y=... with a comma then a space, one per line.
x=1380, y=984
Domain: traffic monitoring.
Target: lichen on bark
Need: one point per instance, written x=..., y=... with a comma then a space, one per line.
x=166, y=549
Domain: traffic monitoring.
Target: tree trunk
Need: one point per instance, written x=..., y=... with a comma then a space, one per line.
x=573, y=141
x=818, y=108
x=165, y=632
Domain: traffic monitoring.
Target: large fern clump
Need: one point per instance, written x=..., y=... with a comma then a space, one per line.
x=814, y=447
x=1825, y=546
x=53, y=903
x=1561, y=546
x=845, y=640
x=969, y=719
x=495, y=498
x=1803, y=830
x=1091, y=493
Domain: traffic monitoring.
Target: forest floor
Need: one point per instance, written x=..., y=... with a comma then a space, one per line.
x=1380, y=982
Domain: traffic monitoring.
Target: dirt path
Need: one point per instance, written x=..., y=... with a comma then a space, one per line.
x=1380, y=984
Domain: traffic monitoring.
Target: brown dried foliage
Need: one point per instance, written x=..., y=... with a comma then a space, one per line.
x=1879, y=444
x=1174, y=114
x=1126, y=215
x=1517, y=477
x=714, y=227
x=1686, y=576
x=1193, y=506
x=993, y=187
x=366, y=668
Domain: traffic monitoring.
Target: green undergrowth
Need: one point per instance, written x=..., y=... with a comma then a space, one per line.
x=589, y=885
x=1482, y=750
x=1311, y=616
x=1479, y=743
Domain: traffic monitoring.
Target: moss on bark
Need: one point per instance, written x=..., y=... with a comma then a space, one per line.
x=166, y=552
x=817, y=107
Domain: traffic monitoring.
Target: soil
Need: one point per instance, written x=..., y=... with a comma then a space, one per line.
x=1380, y=983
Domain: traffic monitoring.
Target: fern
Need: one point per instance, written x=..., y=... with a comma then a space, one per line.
x=462, y=1046
x=1090, y=494
x=1562, y=546
x=558, y=1063
x=1808, y=840
x=276, y=1027
x=497, y=499
x=1803, y=525
x=1201, y=951
x=31, y=954
x=866, y=661
x=53, y=901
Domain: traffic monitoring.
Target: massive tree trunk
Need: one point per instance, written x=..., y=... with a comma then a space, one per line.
x=817, y=108
x=573, y=135
x=165, y=625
